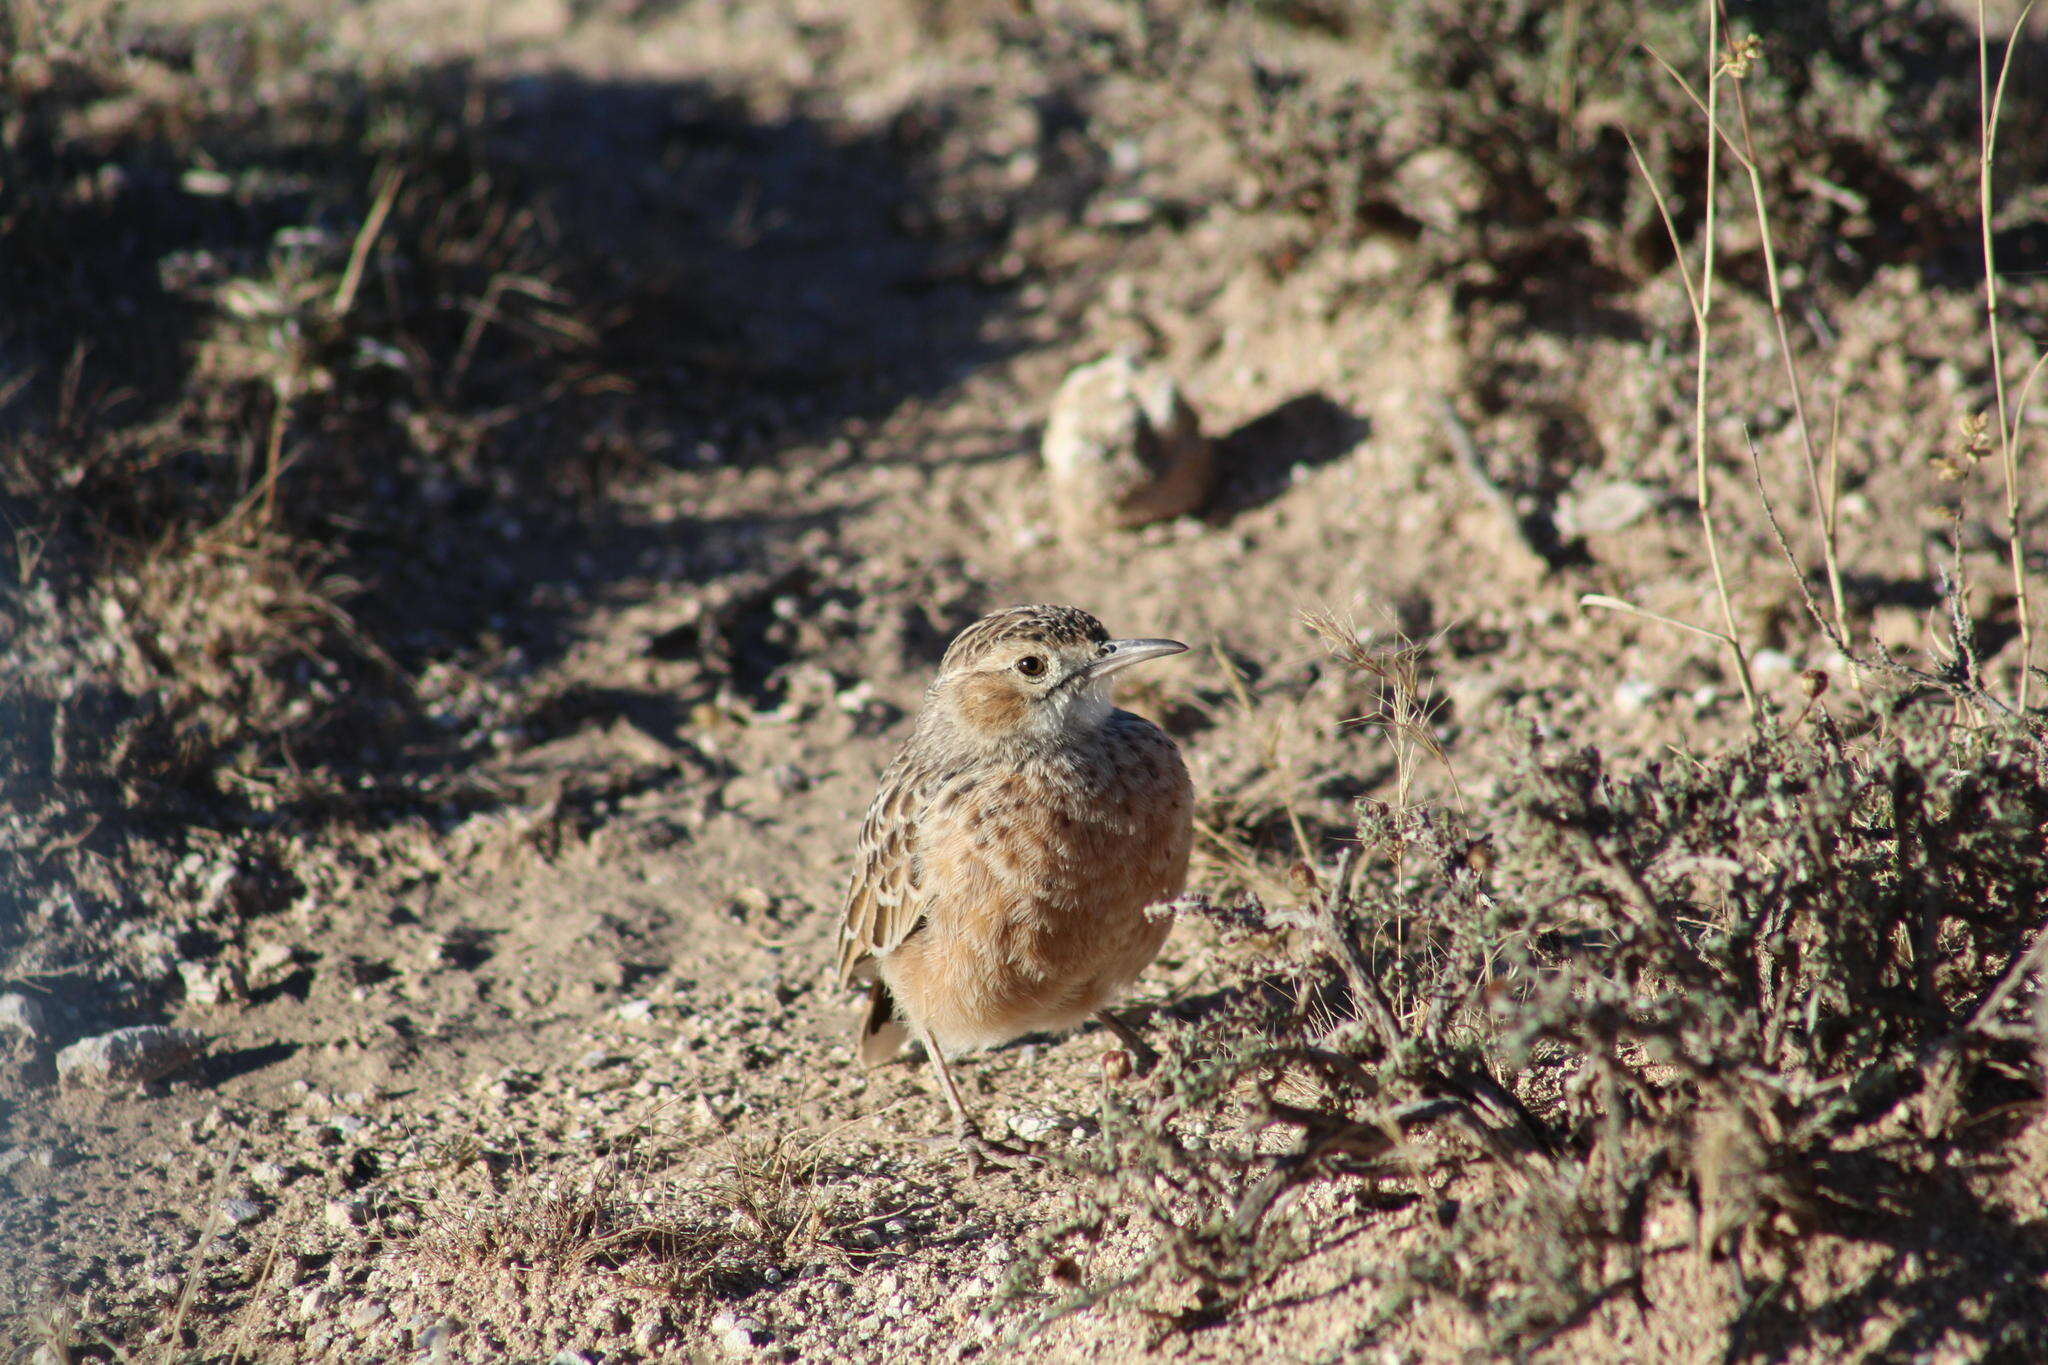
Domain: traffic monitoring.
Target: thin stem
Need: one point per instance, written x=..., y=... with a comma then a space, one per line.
x=1991, y=103
x=1692, y=297
x=1701, y=368
x=1606, y=603
x=1811, y=457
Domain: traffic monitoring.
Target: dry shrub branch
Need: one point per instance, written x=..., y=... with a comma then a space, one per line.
x=1775, y=997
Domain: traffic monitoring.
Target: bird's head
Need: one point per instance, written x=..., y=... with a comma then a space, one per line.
x=1038, y=673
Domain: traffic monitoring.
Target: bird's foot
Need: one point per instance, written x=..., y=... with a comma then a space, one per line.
x=985, y=1153
x=1142, y=1058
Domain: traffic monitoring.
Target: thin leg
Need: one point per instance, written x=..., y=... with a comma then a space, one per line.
x=961, y=1123
x=1142, y=1052
x=964, y=1131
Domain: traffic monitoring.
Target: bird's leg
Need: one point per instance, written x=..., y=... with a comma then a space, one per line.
x=965, y=1133
x=1142, y=1053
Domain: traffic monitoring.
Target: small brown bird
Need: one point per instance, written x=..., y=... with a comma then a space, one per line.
x=1010, y=855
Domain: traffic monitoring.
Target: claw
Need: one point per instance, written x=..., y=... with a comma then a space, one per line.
x=984, y=1153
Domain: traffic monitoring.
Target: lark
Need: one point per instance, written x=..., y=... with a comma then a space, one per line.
x=1008, y=863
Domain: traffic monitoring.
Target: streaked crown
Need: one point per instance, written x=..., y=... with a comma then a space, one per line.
x=1052, y=626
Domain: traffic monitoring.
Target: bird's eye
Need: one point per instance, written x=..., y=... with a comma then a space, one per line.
x=1031, y=666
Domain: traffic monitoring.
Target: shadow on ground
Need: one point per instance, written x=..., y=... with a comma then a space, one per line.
x=391, y=348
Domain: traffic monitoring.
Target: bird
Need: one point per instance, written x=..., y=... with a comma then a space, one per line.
x=1008, y=867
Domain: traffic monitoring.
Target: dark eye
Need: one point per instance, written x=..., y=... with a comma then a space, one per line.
x=1031, y=666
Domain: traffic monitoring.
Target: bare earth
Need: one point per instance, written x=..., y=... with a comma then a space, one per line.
x=516, y=977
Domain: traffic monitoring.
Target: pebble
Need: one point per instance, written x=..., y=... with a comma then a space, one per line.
x=1604, y=509
x=346, y=1213
x=1632, y=695
x=737, y=1332
x=240, y=1211
x=1441, y=188
x=23, y=1014
x=209, y=983
x=436, y=1341
x=368, y=1313
x=268, y=961
x=1032, y=1127
x=1123, y=448
x=315, y=1302
x=129, y=1056
x=1769, y=665
x=45, y=1157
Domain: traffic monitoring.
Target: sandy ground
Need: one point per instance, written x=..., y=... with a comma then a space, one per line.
x=572, y=931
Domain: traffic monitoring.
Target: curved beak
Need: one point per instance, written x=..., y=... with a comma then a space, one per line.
x=1120, y=654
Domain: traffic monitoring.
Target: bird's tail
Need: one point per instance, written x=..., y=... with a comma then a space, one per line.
x=882, y=1034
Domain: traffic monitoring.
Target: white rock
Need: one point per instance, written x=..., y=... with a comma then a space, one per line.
x=23, y=1014
x=435, y=1341
x=1604, y=509
x=1123, y=448
x=649, y=1333
x=737, y=1332
x=269, y=962
x=129, y=1056
x=209, y=983
x=346, y=1213
x=1032, y=1127
x=1769, y=665
x=1633, y=694
x=240, y=1211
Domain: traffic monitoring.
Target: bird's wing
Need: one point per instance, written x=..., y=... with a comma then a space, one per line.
x=883, y=905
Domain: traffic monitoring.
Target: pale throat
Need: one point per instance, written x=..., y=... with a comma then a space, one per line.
x=1079, y=711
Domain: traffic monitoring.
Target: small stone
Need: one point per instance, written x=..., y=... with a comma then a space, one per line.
x=573, y=1357
x=316, y=1302
x=634, y=1011
x=1123, y=448
x=15, y=1157
x=129, y=1056
x=1032, y=1127
x=23, y=1014
x=1770, y=665
x=210, y=983
x=436, y=1341
x=1604, y=509
x=1632, y=695
x=346, y=1213
x=367, y=1314
x=1441, y=188
x=269, y=963
x=270, y=1174
x=737, y=1332
x=240, y=1211
x=649, y=1333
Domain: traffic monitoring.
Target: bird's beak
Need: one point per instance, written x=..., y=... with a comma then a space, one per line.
x=1120, y=654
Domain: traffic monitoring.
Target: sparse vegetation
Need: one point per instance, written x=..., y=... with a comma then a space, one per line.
x=1631, y=1031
